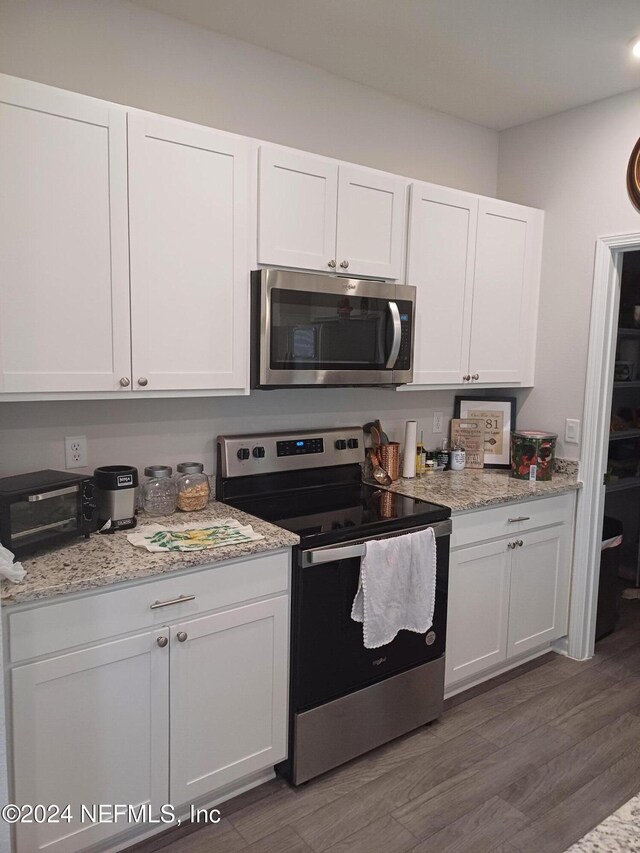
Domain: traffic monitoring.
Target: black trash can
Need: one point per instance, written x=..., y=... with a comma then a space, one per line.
x=607, y=612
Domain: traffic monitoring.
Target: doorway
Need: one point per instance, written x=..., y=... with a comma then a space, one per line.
x=603, y=346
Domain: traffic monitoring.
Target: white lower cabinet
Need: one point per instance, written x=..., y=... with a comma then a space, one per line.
x=478, y=613
x=228, y=680
x=508, y=596
x=90, y=727
x=539, y=599
x=183, y=711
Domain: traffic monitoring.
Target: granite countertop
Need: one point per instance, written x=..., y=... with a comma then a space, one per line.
x=474, y=489
x=110, y=558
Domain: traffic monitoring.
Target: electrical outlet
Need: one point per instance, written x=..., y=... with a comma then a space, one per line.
x=571, y=431
x=437, y=422
x=75, y=451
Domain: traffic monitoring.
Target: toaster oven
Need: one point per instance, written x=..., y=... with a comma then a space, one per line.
x=43, y=509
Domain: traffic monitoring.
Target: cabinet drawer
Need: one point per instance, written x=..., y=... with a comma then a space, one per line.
x=484, y=524
x=51, y=627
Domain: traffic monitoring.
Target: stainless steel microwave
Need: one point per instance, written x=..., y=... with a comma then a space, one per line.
x=310, y=330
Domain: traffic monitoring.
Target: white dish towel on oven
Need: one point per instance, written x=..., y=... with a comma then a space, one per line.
x=397, y=588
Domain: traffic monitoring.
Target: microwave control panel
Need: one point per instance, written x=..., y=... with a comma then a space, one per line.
x=403, y=362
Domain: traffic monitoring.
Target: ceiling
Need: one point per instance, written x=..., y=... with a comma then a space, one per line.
x=494, y=62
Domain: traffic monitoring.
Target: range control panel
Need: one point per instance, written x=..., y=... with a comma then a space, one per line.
x=267, y=453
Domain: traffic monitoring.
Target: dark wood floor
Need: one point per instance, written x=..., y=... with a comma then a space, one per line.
x=527, y=764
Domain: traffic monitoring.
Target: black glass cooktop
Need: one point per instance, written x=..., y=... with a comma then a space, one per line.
x=335, y=514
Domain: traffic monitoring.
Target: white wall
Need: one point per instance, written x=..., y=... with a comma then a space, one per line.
x=116, y=50
x=574, y=166
x=145, y=432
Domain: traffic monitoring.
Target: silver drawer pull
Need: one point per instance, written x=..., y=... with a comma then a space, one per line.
x=519, y=518
x=177, y=600
x=44, y=496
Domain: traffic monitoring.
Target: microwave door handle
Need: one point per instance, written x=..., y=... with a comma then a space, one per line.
x=44, y=496
x=397, y=335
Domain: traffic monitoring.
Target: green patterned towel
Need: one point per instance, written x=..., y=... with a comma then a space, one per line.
x=217, y=533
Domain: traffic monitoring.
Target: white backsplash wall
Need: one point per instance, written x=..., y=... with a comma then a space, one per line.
x=144, y=432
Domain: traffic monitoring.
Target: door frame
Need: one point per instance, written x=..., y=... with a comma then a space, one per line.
x=605, y=302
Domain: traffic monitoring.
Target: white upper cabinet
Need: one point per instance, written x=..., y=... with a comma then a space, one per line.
x=189, y=271
x=316, y=214
x=507, y=271
x=476, y=264
x=440, y=265
x=64, y=277
x=297, y=210
x=371, y=217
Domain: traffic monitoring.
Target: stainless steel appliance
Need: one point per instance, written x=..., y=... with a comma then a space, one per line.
x=43, y=509
x=310, y=330
x=116, y=497
x=344, y=699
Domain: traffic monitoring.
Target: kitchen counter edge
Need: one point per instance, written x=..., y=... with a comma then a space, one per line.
x=110, y=559
x=469, y=490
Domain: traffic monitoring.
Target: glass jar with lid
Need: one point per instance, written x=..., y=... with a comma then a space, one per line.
x=193, y=487
x=159, y=490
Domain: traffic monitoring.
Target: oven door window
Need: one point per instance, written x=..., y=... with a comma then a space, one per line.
x=35, y=521
x=328, y=331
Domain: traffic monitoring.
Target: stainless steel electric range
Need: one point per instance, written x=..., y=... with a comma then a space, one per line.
x=344, y=699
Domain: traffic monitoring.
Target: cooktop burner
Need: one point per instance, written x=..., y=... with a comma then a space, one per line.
x=335, y=514
x=310, y=482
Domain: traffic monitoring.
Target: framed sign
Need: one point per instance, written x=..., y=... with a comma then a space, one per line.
x=499, y=416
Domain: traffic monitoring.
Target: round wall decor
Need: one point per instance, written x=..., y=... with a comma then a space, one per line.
x=633, y=176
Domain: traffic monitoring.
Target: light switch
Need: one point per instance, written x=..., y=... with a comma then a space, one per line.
x=572, y=431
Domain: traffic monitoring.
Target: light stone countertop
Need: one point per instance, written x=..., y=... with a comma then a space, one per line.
x=104, y=559
x=474, y=489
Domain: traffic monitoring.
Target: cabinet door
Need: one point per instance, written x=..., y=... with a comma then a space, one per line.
x=228, y=696
x=90, y=727
x=64, y=275
x=371, y=217
x=505, y=292
x=442, y=232
x=478, y=609
x=189, y=275
x=297, y=210
x=540, y=574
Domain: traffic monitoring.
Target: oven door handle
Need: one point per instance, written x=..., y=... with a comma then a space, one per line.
x=315, y=556
x=330, y=555
x=397, y=335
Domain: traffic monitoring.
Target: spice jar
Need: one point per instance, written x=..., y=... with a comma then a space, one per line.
x=159, y=490
x=193, y=487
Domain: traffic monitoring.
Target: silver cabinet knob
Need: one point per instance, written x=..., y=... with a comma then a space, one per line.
x=162, y=642
x=143, y=381
x=344, y=265
x=520, y=543
x=331, y=264
x=511, y=545
x=476, y=376
x=125, y=381
x=182, y=636
x=466, y=378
